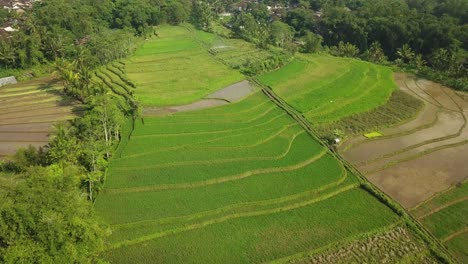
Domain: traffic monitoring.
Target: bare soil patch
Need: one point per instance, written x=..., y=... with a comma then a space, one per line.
x=224, y=96
x=414, y=181
x=29, y=127
x=9, y=148
x=422, y=157
x=20, y=137
x=449, y=123
x=28, y=111
x=37, y=112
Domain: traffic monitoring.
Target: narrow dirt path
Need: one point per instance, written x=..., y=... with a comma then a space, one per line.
x=445, y=239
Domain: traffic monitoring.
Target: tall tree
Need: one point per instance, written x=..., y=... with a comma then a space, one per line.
x=46, y=219
x=281, y=33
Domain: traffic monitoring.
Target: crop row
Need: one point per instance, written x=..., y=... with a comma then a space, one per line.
x=262, y=235
x=388, y=245
x=326, y=95
x=273, y=147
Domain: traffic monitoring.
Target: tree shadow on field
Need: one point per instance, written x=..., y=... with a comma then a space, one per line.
x=53, y=87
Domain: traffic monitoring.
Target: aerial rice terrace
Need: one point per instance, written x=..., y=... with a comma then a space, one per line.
x=446, y=215
x=238, y=183
x=173, y=68
x=326, y=89
x=243, y=181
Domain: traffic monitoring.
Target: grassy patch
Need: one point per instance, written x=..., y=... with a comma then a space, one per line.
x=372, y=247
x=174, y=68
x=457, y=246
x=446, y=216
x=398, y=109
x=326, y=89
x=264, y=237
x=342, y=93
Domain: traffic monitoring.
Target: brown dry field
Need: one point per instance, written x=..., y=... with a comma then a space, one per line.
x=28, y=111
x=422, y=157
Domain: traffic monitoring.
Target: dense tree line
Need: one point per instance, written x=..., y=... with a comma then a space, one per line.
x=429, y=37
x=47, y=217
x=100, y=30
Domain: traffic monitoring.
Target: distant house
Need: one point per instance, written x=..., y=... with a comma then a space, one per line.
x=17, y=5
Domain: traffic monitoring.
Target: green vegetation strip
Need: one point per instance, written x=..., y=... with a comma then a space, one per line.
x=217, y=180
x=234, y=216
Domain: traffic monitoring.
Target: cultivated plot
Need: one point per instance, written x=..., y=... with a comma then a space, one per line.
x=174, y=68
x=241, y=183
x=326, y=89
x=446, y=215
x=422, y=157
x=28, y=111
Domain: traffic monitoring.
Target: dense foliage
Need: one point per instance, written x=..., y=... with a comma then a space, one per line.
x=94, y=31
x=427, y=37
x=46, y=219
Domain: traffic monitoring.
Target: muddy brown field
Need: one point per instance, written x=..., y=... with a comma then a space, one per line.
x=28, y=111
x=422, y=157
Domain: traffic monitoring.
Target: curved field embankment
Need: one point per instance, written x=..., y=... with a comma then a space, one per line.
x=241, y=183
x=422, y=157
x=175, y=69
x=28, y=111
x=326, y=89
x=446, y=216
x=221, y=97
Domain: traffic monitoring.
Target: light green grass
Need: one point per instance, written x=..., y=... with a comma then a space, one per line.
x=326, y=89
x=174, y=68
x=457, y=246
x=448, y=221
x=264, y=237
x=455, y=193
x=373, y=135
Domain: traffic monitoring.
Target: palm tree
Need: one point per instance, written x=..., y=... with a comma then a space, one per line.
x=441, y=59
x=7, y=54
x=406, y=53
x=419, y=62
x=65, y=73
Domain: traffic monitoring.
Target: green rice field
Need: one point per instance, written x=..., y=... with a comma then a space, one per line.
x=174, y=68
x=242, y=183
x=326, y=89
x=446, y=216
